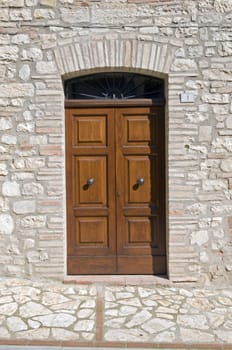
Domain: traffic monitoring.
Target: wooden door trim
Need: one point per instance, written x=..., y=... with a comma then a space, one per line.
x=113, y=103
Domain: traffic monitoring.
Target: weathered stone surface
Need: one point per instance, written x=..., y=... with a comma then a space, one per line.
x=193, y=321
x=32, y=309
x=214, y=185
x=183, y=64
x=205, y=133
x=44, y=14
x=229, y=122
x=5, y=124
x=33, y=221
x=32, y=54
x=16, y=324
x=226, y=165
x=223, y=5
x=84, y=313
x=38, y=334
x=11, y=3
x=10, y=189
x=22, y=14
x=24, y=72
x=215, y=98
x=84, y=325
x=49, y=3
x=199, y=237
x=225, y=49
x=16, y=90
x=6, y=224
x=139, y=318
x=190, y=335
x=63, y=334
x=4, y=333
x=26, y=127
x=125, y=335
x=31, y=189
x=50, y=298
x=3, y=169
x=157, y=325
x=46, y=67
x=8, y=309
x=9, y=53
x=24, y=207
x=56, y=320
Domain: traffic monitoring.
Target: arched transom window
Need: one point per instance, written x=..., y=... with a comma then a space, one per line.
x=114, y=85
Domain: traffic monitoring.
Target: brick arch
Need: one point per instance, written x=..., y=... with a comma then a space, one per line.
x=108, y=54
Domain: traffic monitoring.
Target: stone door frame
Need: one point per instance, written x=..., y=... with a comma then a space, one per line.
x=143, y=57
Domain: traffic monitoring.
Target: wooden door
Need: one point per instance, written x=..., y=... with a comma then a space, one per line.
x=115, y=190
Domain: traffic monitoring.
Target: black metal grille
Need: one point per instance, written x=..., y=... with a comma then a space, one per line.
x=114, y=85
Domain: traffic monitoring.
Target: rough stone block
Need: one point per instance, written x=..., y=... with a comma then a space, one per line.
x=6, y=224
x=223, y=5
x=226, y=165
x=46, y=67
x=9, y=139
x=199, y=237
x=205, y=133
x=24, y=72
x=229, y=122
x=11, y=189
x=31, y=189
x=9, y=53
x=183, y=64
x=44, y=14
x=16, y=90
x=215, y=185
x=215, y=98
x=33, y=221
x=225, y=49
x=75, y=17
x=3, y=169
x=5, y=124
x=24, y=207
x=20, y=15
x=11, y=3
x=32, y=54
x=49, y=3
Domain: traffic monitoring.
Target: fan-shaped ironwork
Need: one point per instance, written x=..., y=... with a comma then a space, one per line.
x=114, y=85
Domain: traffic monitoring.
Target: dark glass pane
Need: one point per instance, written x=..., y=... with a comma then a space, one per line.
x=114, y=85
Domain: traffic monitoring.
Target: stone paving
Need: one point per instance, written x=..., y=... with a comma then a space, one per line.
x=114, y=313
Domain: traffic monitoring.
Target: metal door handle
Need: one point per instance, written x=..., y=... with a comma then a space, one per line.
x=90, y=181
x=140, y=181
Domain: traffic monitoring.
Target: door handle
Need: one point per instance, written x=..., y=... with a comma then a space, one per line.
x=90, y=181
x=140, y=181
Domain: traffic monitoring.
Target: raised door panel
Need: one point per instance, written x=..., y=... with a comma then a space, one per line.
x=91, y=232
x=141, y=173
x=90, y=130
x=137, y=130
x=90, y=181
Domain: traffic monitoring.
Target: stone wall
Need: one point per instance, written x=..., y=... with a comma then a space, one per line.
x=189, y=44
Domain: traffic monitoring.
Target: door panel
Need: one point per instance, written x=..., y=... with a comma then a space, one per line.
x=138, y=170
x=91, y=181
x=115, y=190
x=89, y=130
x=92, y=231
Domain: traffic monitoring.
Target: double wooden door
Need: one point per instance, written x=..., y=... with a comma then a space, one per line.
x=115, y=189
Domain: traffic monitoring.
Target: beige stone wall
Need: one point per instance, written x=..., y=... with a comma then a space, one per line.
x=189, y=44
